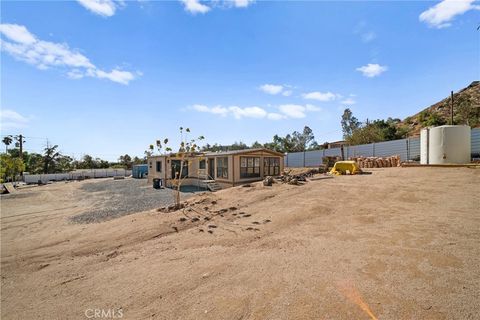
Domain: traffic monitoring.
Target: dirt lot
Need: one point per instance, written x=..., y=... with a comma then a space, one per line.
x=402, y=243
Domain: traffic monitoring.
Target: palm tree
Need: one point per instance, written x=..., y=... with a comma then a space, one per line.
x=7, y=141
x=49, y=157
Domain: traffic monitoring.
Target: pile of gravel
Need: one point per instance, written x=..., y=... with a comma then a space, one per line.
x=116, y=198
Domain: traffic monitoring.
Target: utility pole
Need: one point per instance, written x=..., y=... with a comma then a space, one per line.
x=451, y=109
x=21, y=146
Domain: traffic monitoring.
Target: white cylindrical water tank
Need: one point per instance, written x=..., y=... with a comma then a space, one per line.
x=424, y=145
x=449, y=144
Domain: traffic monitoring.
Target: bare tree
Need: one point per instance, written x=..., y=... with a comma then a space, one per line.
x=187, y=150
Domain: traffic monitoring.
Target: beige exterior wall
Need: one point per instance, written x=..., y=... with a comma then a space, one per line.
x=222, y=181
x=234, y=167
x=195, y=173
x=166, y=169
x=152, y=168
x=238, y=180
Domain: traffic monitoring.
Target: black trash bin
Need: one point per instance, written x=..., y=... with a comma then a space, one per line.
x=157, y=183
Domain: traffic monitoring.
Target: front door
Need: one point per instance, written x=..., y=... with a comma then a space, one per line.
x=211, y=168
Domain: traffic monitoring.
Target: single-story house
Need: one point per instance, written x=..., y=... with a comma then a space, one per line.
x=336, y=144
x=226, y=169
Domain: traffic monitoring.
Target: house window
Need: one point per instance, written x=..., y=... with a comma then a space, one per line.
x=249, y=167
x=271, y=166
x=202, y=164
x=176, y=169
x=159, y=166
x=150, y=164
x=222, y=168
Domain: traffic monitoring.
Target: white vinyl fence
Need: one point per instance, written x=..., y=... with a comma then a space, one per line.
x=407, y=149
x=75, y=175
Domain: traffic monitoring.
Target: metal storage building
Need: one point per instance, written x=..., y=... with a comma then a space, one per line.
x=140, y=171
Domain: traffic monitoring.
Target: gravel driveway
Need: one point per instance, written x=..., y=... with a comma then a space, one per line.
x=116, y=198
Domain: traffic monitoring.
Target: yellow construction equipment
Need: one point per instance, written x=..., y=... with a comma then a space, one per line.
x=345, y=167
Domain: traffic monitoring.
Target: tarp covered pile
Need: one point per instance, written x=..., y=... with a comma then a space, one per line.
x=345, y=167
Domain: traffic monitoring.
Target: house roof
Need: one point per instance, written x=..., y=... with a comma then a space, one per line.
x=338, y=142
x=226, y=153
x=173, y=155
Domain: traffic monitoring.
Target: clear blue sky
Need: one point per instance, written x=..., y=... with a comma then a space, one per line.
x=108, y=78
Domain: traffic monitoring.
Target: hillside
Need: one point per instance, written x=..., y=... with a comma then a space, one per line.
x=466, y=111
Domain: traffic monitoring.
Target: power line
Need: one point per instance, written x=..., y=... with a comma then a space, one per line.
x=29, y=137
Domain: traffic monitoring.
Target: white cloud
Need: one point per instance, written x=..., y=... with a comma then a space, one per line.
x=123, y=77
x=17, y=33
x=441, y=14
x=293, y=110
x=75, y=74
x=311, y=107
x=194, y=6
x=237, y=112
x=219, y=110
x=368, y=36
x=274, y=89
x=242, y=3
x=200, y=6
x=275, y=116
x=284, y=111
x=348, y=101
x=248, y=112
x=297, y=111
x=10, y=119
x=320, y=96
x=271, y=88
x=24, y=46
x=105, y=8
x=372, y=70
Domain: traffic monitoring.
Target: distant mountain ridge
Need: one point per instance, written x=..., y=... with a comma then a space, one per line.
x=466, y=109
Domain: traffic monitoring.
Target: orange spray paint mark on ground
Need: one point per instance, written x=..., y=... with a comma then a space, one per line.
x=352, y=294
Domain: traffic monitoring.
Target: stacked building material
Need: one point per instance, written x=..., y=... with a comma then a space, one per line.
x=329, y=161
x=377, y=162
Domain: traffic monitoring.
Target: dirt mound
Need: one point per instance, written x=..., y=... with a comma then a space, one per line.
x=399, y=241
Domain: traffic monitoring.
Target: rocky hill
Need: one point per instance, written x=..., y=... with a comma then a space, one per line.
x=466, y=111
